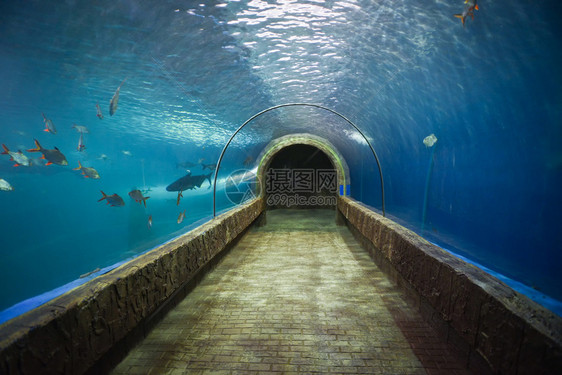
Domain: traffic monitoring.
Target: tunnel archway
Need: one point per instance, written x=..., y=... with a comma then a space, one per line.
x=300, y=176
x=302, y=170
x=344, y=189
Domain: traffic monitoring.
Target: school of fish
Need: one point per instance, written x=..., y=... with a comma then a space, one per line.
x=55, y=156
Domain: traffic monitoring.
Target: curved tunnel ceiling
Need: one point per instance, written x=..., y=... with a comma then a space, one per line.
x=402, y=71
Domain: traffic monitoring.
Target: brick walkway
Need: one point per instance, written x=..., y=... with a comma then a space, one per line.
x=298, y=295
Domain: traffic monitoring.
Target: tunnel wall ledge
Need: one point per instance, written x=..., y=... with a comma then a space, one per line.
x=69, y=334
x=491, y=326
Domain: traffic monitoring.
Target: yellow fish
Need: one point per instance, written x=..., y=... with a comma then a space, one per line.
x=181, y=217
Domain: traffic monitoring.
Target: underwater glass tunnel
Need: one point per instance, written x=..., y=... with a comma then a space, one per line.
x=464, y=116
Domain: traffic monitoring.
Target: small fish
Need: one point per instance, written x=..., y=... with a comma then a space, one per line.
x=149, y=224
x=98, y=109
x=80, y=128
x=81, y=145
x=49, y=126
x=52, y=156
x=248, y=161
x=127, y=153
x=103, y=157
x=138, y=197
x=181, y=217
x=430, y=140
x=89, y=273
x=18, y=157
x=210, y=167
x=471, y=5
x=88, y=172
x=115, y=99
x=180, y=195
x=186, y=164
x=5, y=185
x=114, y=200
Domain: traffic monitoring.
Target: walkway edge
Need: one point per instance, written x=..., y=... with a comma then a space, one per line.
x=481, y=316
x=69, y=334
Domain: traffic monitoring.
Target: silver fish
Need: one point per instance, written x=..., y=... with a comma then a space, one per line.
x=5, y=185
x=18, y=157
x=181, y=217
x=98, y=109
x=114, y=200
x=138, y=197
x=89, y=273
x=81, y=145
x=115, y=99
x=80, y=128
x=88, y=172
x=49, y=126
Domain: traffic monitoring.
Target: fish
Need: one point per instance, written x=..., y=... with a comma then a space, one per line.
x=5, y=185
x=471, y=5
x=180, y=195
x=89, y=273
x=81, y=145
x=248, y=161
x=52, y=156
x=103, y=157
x=181, y=217
x=80, y=128
x=20, y=133
x=208, y=166
x=189, y=182
x=49, y=126
x=137, y=196
x=98, y=110
x=430, y=140
x=149, y=223
x=127, y=153
x=18, y=157
x=115, y=99
x=186, y=164
x=88, y=172
x=114, y=200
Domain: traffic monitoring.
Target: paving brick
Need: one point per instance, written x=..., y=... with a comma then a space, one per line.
x=298, y=295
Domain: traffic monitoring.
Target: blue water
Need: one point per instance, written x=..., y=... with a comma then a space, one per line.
x=194, y=71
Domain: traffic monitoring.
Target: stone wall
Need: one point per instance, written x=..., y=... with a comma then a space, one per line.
x=494, y=328
x=71, y=333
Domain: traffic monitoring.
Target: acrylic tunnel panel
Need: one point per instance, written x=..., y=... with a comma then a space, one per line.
x=183, y=77
x=59, y=63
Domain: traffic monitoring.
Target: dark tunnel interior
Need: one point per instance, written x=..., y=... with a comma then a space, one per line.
x=301, y=176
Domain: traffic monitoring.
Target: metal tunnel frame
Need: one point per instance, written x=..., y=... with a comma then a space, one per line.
x=295, y=105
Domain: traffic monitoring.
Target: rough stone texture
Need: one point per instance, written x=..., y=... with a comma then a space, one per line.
x=296, y=296
x=495, y=328
x=70, y=333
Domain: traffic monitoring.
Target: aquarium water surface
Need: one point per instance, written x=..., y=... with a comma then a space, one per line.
x=127, y=97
